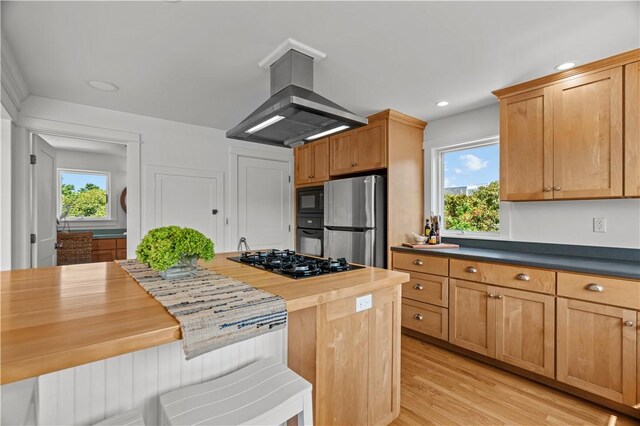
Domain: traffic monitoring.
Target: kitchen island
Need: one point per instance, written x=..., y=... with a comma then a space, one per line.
x=63, y=317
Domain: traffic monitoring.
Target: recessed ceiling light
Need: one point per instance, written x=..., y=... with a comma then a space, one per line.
x=442, y=104
x=565, y=66
x=105, y=86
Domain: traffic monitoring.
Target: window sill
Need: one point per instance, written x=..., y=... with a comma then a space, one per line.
x=473, y=236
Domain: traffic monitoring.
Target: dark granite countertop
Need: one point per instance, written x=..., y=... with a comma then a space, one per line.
x=588, y=265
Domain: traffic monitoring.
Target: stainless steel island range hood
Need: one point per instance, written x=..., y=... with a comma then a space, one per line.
x=294, y=113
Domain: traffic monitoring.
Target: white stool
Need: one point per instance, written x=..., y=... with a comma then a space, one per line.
x=263, y=393
x=128, y=418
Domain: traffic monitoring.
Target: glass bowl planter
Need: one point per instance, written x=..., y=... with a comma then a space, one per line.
x=186, y=267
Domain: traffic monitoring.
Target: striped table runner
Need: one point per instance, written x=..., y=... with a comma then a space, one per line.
x=213, y=310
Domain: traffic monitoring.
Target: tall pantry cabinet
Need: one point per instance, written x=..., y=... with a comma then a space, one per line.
x=573, y=134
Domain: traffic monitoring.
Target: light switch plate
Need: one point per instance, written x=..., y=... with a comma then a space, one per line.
x=364, y=302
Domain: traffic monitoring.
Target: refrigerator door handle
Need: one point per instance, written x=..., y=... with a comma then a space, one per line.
x=347, y=229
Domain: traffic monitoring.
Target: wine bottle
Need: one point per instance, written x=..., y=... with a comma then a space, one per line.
x=432, y=236
x=427, y=228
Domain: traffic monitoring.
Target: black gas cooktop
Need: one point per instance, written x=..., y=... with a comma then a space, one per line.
x=288, y=262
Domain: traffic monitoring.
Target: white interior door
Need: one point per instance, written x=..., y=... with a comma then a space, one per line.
x=187, y=197
x=43, y=252
x=264, y=205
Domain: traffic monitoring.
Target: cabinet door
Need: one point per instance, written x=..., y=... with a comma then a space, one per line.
x=638, y=362
x=596, y=349
x=587, y=136
x=320, y=159
x=341, y=153
x=471, y=317
x=632, y=130
x=525, y=330
x=358, y=355
x=370, y=151
x=303, y=165
x=526, y=146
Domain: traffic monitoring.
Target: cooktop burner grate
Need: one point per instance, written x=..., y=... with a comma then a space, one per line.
x=289, y=263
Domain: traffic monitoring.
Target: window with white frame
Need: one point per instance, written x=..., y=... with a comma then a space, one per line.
x=466, y=186
x=84, y=194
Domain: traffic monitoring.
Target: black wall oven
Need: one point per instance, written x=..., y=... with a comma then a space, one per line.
x=310, y=221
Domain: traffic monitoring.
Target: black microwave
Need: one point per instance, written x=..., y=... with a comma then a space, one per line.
x=310, y=200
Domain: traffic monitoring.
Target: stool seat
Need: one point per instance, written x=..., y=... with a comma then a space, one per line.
x=128, y=418
x=265, y=392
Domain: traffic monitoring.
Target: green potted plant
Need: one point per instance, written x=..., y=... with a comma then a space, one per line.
x=174, y=251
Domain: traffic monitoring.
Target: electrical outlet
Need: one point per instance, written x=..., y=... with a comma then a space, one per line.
x=364, y=302
x=599, y=224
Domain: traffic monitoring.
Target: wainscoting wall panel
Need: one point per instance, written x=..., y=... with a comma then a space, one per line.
x=89, y=393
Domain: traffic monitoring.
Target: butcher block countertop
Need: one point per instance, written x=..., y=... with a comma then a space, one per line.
x=60, y=317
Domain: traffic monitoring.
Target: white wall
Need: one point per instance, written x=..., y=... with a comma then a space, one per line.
x=116, y=165
x=164, y=143
x=564, y=222
x=5, y=190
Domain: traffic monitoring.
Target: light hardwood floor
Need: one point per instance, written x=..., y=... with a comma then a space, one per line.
x=440, y=387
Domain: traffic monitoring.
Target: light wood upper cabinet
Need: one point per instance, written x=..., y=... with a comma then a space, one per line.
x=562, y=136
x=587, y=130
x=525, y=330
x=632, y=130
x=471, y=317
x=359, y=150
x=312, y=162
x=597, y=349
x=526, y=162
x=341, y=153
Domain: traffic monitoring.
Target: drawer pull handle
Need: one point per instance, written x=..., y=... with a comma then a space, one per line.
x=418, y=262
x=498, y=296
x=418, y=317
x=628, y=323
x=522, y=277
x=471, y=270
x=491, y=295
x=418, y=287
x=595, y=287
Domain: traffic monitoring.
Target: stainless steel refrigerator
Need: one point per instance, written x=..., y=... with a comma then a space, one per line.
x=354, y=220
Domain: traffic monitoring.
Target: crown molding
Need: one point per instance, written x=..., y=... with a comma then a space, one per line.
x=14, y=89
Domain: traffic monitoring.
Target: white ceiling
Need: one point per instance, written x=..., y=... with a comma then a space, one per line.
x=196, y=62
x=80, y=145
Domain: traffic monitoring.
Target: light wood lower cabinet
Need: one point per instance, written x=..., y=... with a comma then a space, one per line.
x=424, y=318
x=471, y=317
x=596, y=349
x=525, y=330
x=351, y=358
x=513, y=326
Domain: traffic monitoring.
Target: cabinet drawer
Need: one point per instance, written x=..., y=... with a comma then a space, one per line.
x=421, y=263
x=424, y=318
x=103, y=255
x=427, y=289
x=521, y=277
x=610, y=291
x=104, y=244
x=121, y=243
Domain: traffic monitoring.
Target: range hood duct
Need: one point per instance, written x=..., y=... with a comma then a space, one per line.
x=294, y=112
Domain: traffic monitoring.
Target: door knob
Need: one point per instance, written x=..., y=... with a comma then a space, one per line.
x=547, y=189
x=628, y=323
x=418, y=317
x=354, y=164
x=471, y=270
x=556, y=188
x=214, y=212
x=498, y=296
x=418, y=287
x=491, y=295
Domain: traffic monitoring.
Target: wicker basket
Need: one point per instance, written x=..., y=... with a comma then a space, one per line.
x=74, y=247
